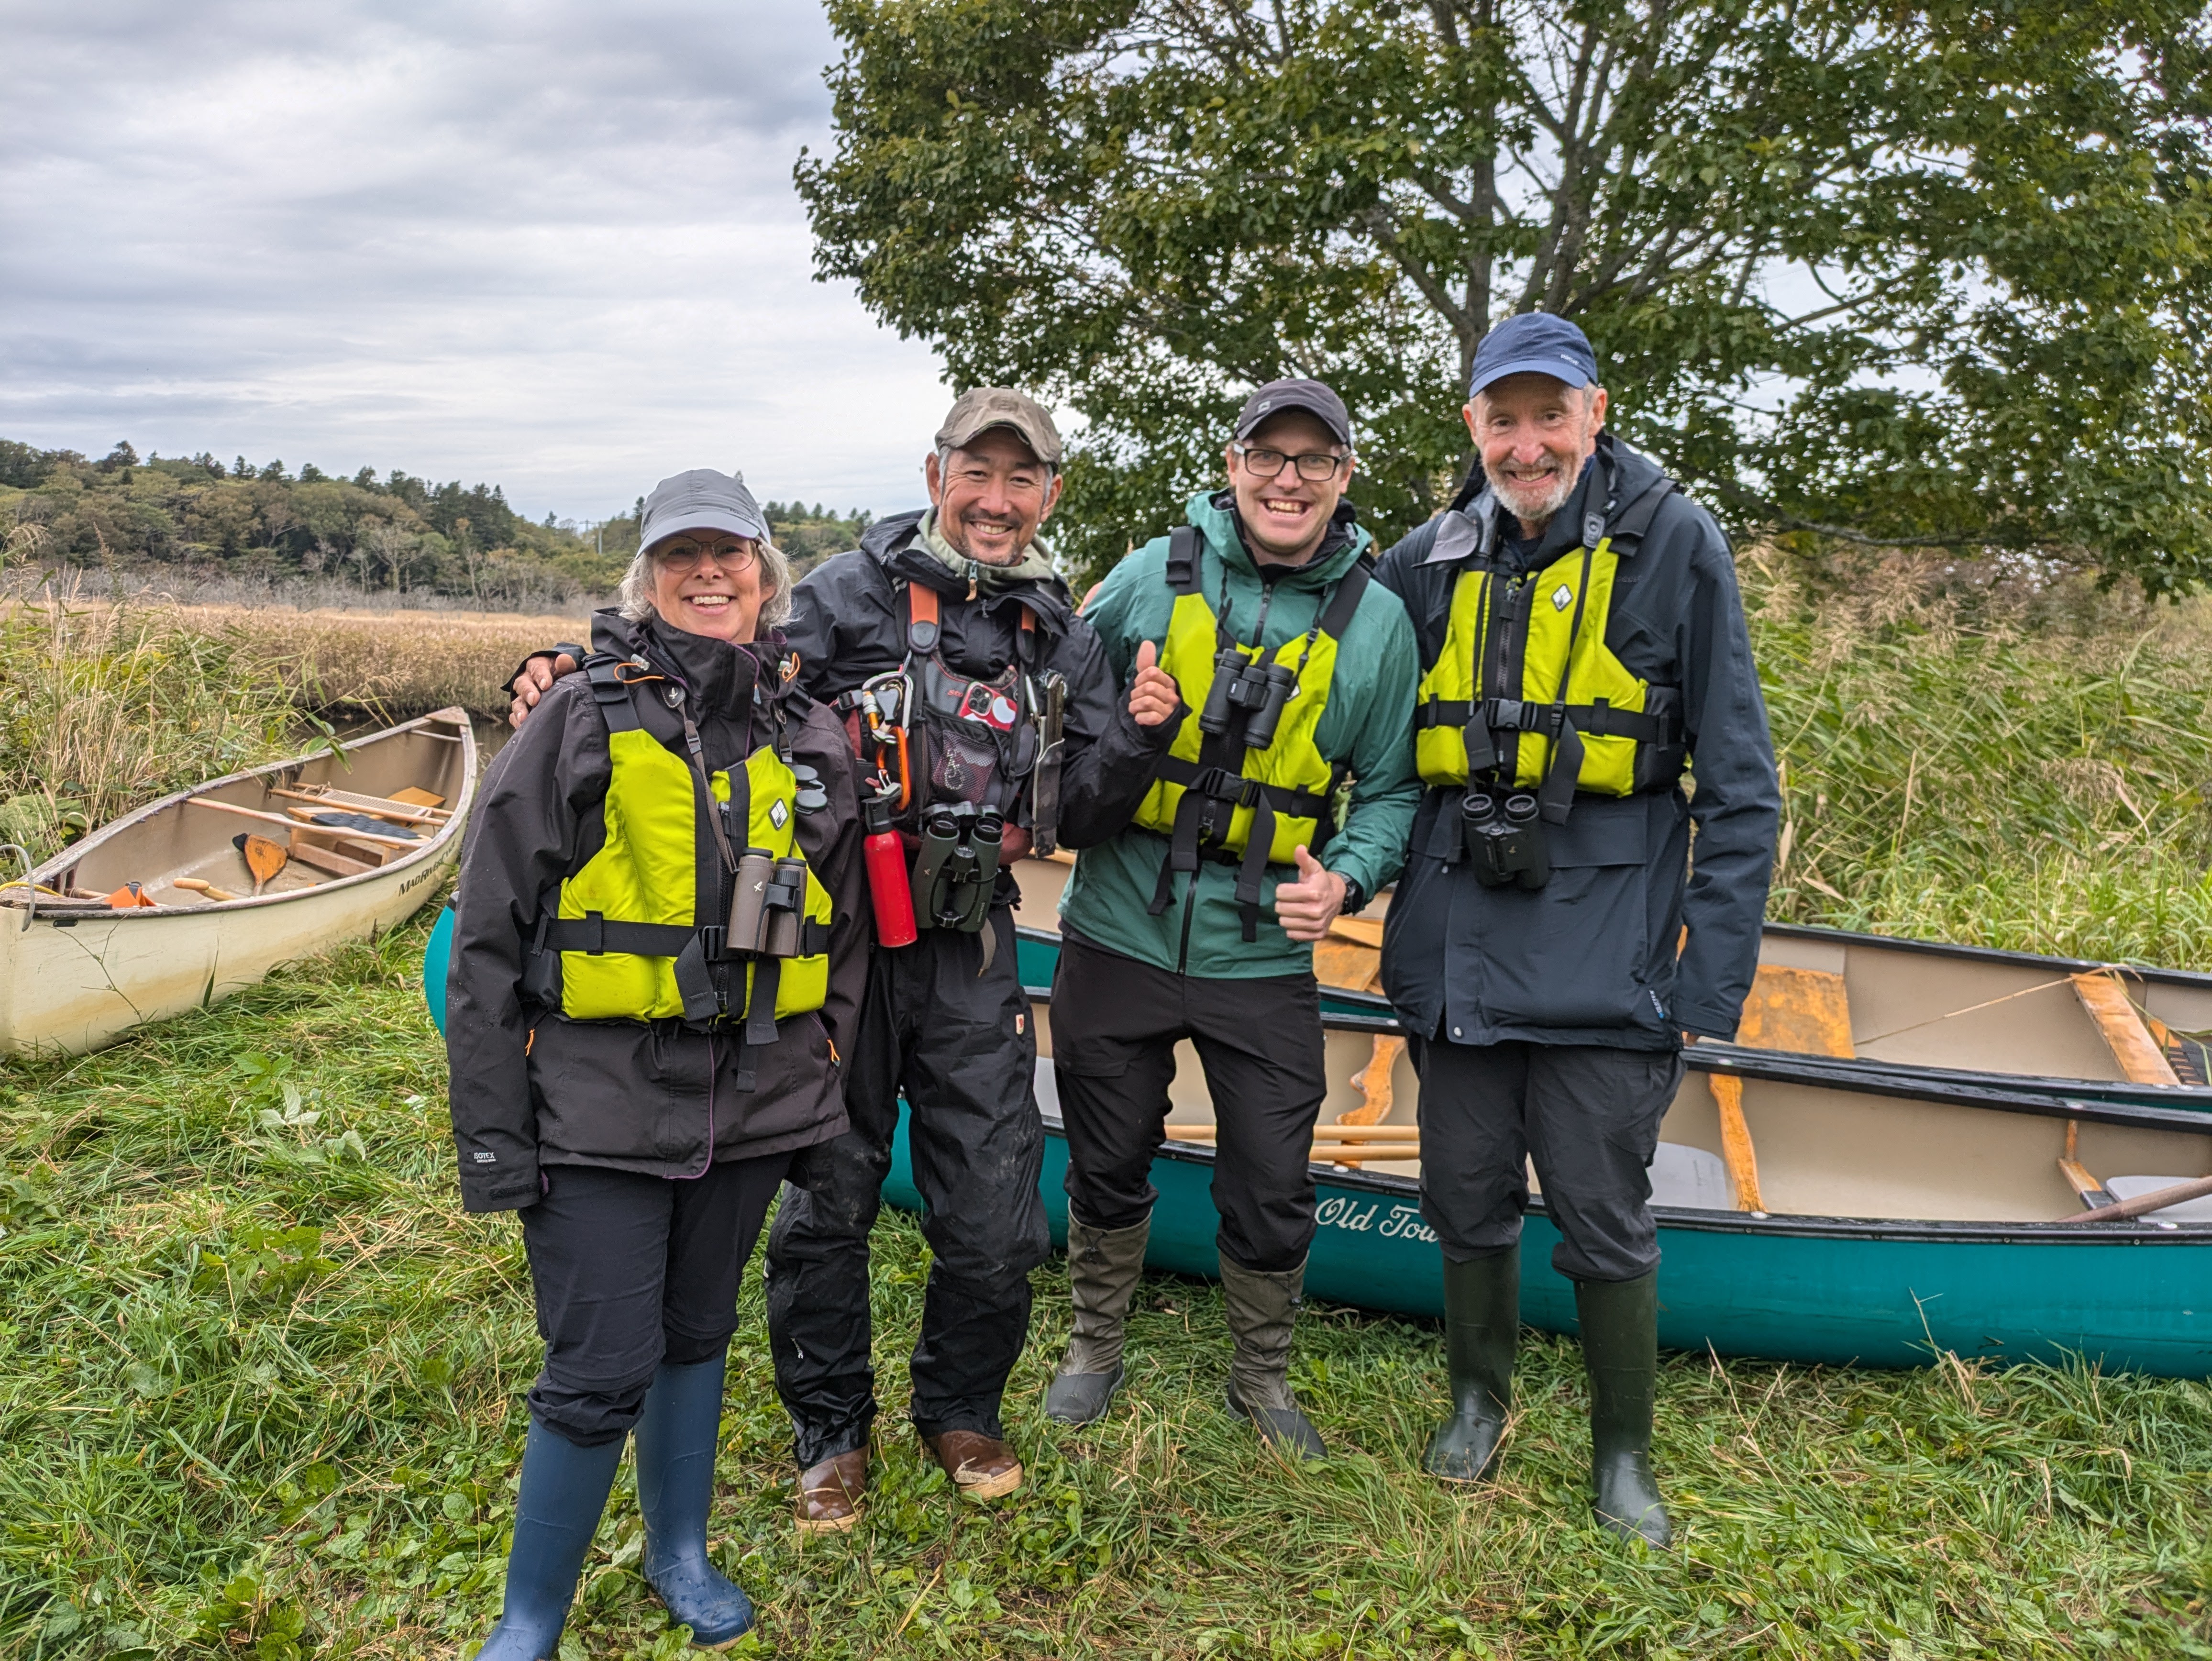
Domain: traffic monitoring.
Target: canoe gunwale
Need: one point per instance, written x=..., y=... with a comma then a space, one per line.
x=1932, y=1231
x=433, y=848
x=2197, y=980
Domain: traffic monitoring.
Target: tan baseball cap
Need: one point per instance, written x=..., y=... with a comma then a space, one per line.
x=987, y=407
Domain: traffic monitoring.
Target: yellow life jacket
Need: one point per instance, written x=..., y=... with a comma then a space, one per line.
x=1526, y=693
x=634, y=936
x=1213, y=796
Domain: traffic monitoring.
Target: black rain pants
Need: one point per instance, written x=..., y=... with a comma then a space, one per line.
x=1115, y=1026
x=955, y=1038
x=1589, y=1119
x=630, y=1271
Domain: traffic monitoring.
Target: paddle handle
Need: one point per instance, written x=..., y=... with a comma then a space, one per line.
x=2156, y=1200
x=293, y=825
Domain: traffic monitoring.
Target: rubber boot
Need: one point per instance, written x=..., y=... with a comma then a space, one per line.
x=676, y=1439
x=1262, y=1309
x=1104, y=1266
x=564, y=1490
x=1620, y=1321
x=1482, y=1322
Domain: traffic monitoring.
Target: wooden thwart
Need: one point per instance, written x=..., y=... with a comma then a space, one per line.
x=1736, y=1141
x=2142, y=1061
x=382, y=808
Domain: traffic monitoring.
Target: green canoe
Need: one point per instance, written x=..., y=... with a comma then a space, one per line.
x=1825, y=1286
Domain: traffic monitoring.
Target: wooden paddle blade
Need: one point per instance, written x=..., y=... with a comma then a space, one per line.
x=264, y=859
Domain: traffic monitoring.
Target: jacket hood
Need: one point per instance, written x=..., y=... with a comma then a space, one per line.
x=1213, y=514
x=895, y=544
x=719, y=676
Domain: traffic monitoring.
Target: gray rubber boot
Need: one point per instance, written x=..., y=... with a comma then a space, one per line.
x=1482, y=1323
x=1104, y=1266
x=1262, y=1309
x=1620, y=1321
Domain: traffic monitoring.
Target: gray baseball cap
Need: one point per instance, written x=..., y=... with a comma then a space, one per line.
x=1277, y=396
x=702, y=500
x=985, y=407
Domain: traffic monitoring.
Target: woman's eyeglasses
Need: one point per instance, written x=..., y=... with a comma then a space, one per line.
x=1315, y=467
x=734, y=556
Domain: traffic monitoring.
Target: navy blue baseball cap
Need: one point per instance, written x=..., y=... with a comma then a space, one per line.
x=1534, y=342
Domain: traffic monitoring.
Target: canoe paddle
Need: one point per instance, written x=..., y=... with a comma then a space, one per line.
x=2157, y=1200
x=264, y=859
x=201, y=885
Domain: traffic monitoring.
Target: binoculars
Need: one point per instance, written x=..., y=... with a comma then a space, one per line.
x=957, y=866
x=766, y=908
x=1259, y=689
x=1506, y=840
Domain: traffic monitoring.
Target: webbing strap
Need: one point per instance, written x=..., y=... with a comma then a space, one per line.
x=1346, y=600
x=593, y=934
x=1182, y=559
x=924, y=626
x=1224, y=785
x=1597, y=719
x=1555, y=796
x=760, y=1008
x=610, y=691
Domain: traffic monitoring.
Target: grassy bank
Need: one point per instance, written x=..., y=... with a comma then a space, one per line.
x=260, y=1389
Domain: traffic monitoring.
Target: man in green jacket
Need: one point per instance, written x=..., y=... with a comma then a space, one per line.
x=1255, y=629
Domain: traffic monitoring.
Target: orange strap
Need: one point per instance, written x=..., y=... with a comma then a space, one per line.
x=921, y=607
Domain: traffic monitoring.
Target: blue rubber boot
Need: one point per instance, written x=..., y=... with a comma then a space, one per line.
x=675, y=1481
x=564, y=1489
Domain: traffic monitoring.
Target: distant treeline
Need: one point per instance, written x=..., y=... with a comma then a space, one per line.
x=399, y=534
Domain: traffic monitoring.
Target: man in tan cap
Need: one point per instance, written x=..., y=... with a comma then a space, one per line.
x=988, y=721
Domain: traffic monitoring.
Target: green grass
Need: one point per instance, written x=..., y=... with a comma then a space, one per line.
x=260, y=1396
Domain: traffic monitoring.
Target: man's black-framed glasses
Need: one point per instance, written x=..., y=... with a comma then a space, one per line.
x=1314, y=466
x=733, y=554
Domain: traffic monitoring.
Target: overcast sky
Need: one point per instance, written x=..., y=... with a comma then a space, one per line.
x=552, y=246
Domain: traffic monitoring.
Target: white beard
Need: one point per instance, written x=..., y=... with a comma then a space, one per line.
x=1534, y=510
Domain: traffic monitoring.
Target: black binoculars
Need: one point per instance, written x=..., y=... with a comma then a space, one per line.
x=765, y=909
x=1260, y=689
x=957, y=866
x=1506, y=840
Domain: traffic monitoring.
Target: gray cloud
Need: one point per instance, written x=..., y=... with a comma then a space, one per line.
x=551, y=246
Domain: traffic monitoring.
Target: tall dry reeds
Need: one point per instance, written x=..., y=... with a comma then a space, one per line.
x=104, y=707
x=390, y=665
x=2025, y=766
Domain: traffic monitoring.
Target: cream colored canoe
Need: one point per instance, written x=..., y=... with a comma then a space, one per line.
x=73, y=977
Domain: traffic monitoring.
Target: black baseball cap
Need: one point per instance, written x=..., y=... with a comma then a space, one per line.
x=1534, y=342
x=1310, y=396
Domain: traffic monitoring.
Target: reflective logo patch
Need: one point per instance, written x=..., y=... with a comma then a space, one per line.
x=777, y=814
x=1562, y=598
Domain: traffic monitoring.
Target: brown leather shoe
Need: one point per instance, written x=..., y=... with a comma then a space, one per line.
x=829, y=1492
x=982, y=1467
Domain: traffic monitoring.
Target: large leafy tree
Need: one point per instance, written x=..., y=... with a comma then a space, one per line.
x=1930, y=275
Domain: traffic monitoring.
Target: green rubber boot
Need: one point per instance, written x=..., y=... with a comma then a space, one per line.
x=1104, y=1266
x=1482, y=1322
x=1621, y=1346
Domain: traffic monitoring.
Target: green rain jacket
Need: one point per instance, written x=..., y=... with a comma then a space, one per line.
x=1366, y=730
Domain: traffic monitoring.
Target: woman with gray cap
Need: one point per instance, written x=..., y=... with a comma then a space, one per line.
x=657, y=956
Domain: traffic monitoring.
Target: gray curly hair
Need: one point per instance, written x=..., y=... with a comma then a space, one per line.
x=634, y=599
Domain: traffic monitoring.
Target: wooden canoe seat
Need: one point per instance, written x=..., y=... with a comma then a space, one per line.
x=1805, y=1011
x=2141, y=1057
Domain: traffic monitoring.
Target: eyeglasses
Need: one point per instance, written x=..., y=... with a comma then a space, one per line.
x=734, y=556
x=1265, y=463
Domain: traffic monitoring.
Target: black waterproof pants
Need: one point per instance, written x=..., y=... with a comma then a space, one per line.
x=631, y=1271
x=1589, y=1119
x=955, y=1037
x=1114, y=1024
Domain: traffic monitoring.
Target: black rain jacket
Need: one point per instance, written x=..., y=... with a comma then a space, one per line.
x=849, y=622
x=1590, y=958
x=531, y=1088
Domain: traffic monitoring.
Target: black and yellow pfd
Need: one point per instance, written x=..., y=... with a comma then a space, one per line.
x=1526, y=695
x=640, y=932
x=1245, y=783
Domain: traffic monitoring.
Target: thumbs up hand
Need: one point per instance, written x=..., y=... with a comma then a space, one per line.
x=1307, y=907
x=1153, y=695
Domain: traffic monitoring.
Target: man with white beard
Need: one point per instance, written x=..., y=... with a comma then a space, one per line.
x=1582, y=640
